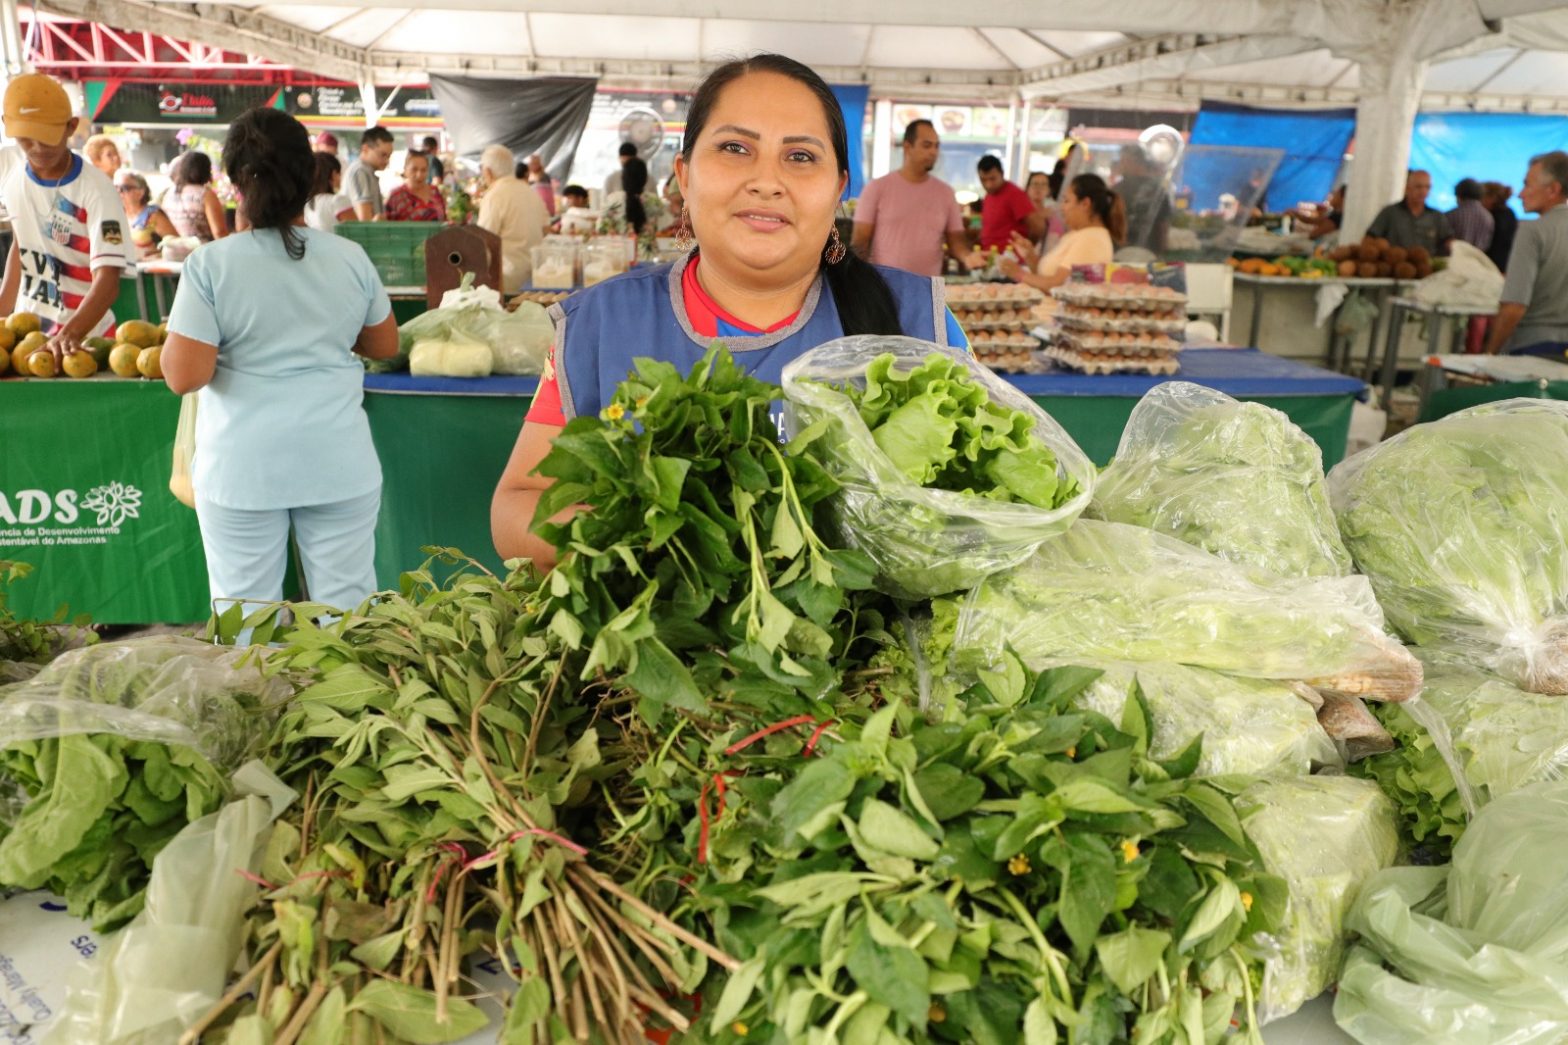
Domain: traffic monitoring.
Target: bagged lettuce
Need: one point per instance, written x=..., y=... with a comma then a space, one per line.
x=1248, y=726
x=1106, y=591
x=1236, y=479
x=1326, y=836
x=1474, y=953
x=1504, y=737
x=948, y=473
x=1460, y=525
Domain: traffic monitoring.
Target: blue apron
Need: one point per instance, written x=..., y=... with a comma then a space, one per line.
x=600, y=331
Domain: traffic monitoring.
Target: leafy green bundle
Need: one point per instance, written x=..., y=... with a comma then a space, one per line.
x=948, y=473
x=1504, y=737
x=1015, y=869
x=1236, y=479
x=1459, y=525
x=119, y=746
x=1106, y=591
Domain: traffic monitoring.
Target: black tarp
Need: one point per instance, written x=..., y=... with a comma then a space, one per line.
x=544, y=114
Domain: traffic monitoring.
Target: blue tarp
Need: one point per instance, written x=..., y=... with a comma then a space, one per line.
x=1314, y=144
x=1485, y=146
x=852, y=99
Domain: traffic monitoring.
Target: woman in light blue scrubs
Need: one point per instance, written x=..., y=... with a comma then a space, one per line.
x=266, y=324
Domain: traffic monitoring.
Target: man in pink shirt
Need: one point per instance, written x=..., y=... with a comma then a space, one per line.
x=903, y=218
x=1006, y=209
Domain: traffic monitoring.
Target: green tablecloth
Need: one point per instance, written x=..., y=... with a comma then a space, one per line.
x=134, y=555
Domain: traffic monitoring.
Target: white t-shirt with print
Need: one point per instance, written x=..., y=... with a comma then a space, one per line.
x=64, y=233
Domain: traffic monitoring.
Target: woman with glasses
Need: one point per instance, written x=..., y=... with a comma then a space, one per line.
x=148, y=223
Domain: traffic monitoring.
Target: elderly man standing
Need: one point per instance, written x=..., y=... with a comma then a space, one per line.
x=1410, y=222
x=511, y=209
x=903, y=218
x=1534, y=309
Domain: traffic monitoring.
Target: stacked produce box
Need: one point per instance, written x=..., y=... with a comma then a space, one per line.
x=1108, y=328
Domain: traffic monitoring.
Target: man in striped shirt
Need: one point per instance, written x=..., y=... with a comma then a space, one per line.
x=68, y=228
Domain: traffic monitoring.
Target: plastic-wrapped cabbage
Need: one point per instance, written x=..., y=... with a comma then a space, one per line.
x=1236, y=479
x=1504, y=737
x=1460, y=524
x=948, y=473
x=1248, y=726
x=1475, y=953
x=1106, y=591
x=1326, y=836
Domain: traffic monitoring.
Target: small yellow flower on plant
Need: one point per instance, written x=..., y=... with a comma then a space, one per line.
x=1072, y=752
x=937, y=1014
x=740, y=1028
x=1019, y=864
x=1246, y=901
x=1129, y=850
x=615, y=411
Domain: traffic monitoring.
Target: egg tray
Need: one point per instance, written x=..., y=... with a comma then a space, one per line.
x=1002, y=341
x=1120, y=344
x=1121, y=322
x=972, y=321
x=988, y=297
x=1137, y=297
x=1013, y=361
x=1098, y=364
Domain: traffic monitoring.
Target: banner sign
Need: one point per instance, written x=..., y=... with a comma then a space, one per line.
x=175, y=104
x=340, y=105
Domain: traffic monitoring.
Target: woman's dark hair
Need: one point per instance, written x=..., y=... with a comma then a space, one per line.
x=1105, y=202
x=193, y=168
x=268, y=159
x=521, y=170
x=863, y=298
x=634, y=181
x=326, y=166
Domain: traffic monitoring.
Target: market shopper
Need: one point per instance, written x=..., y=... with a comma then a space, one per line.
x=1329, y=217
x=762, y=166
x=630, y=205
x=432, y=150
x=190, y=202
x=68, y=228
x=148, y=223
x=327, y=205
x=1096, y=223
x=1533, y=316
x=362, y=183
x=1146, y=195
x=1409, y=222
x=1505, y=223
x=539, y=178
x=416, y=199
x=511, y=209
x=903, y=219
x=1005, y=209
x=103, y=153
x=266, y=324
x=612, y=183
x=325, y=142
x=1471, y=221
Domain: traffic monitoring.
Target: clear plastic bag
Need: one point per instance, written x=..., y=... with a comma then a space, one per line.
x=1326, y=836
x=1475, y=953
x=1248, y=726
x=166, y=688
x=1236, y=479
x=184, y=452
x=519, y=341
x=1107, y=591
x=925, y=542
x=1462, y=527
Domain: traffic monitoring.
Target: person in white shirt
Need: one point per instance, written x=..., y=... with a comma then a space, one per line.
x=511, y=209
x=69, y=230
x=328, y=205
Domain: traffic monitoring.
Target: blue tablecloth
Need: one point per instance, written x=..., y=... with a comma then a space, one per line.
x=408, y=384
x=1240, y=372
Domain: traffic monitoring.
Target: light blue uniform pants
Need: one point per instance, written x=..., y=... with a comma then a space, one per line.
x=247, y=550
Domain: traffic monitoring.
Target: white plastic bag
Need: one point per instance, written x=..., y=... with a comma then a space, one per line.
x=518, y=341
x=1471, y=280
x=1236, y=479
x=924, y=541
x=1462, y=527
x=184, y=452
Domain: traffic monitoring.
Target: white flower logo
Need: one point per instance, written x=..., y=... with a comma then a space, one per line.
x=114, y=503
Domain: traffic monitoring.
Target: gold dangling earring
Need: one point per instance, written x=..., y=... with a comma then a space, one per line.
x=835, y=250
x=684, y=240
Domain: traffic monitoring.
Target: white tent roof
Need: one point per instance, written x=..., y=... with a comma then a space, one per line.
x=1492, y=53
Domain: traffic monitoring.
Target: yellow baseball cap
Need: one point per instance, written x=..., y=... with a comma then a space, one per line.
x=36, y=107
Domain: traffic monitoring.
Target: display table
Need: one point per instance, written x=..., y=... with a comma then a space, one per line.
x=1452, y=383
x=1436, y=316
x=1340, y=351
x=133, y=554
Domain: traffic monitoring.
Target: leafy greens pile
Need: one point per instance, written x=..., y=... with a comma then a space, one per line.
x=1459, y=526
x=1504, y=737
x=118, y=747
x=1236, y=479
x=948, y=474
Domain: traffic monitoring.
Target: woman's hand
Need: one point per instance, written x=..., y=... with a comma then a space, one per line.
x=1025, y=249
x=1011, y=269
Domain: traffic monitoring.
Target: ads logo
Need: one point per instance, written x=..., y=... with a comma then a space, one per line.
x=114, y=503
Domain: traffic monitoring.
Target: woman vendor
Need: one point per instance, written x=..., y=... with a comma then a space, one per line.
x=762, y=167
x=1096, y=222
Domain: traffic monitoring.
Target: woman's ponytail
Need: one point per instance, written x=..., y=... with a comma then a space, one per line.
x=268, y=159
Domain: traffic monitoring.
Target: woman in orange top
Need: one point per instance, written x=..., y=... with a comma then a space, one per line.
x=1096, y=223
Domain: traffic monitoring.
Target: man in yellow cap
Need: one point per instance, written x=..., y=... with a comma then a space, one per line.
x=68, y=228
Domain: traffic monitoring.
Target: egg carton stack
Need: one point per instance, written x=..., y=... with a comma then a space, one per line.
x=1113, y=328
x=996, y=318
